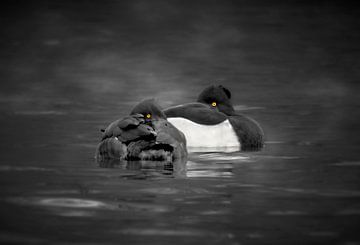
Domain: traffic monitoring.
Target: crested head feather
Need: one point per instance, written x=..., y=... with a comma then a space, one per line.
x=220, y=95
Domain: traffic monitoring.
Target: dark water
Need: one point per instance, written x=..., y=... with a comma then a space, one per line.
x=68, y=69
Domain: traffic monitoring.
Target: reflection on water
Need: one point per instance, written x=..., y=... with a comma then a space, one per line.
x=198, y=169
x=213, y=149
x=146, y=169
x=236, y=157
x=208, y=165
x=202, y=165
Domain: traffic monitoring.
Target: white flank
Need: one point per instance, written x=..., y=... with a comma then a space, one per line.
x=198, y=135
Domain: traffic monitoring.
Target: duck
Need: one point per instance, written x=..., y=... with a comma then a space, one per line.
x=144, y=134
x=212, y=123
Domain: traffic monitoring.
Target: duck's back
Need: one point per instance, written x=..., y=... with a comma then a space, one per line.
x=196, y=112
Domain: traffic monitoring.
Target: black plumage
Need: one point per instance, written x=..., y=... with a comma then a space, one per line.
x=196, y=112
x=214, y=106
x=144, y=134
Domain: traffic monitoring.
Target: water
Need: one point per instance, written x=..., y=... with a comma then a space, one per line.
x=296, y=190
x=69, y=69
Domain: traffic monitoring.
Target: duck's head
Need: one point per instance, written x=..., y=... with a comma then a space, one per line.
x=218, y=98
x=150, y=109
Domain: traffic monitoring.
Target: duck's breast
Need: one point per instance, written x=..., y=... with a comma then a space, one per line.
x=214, y=136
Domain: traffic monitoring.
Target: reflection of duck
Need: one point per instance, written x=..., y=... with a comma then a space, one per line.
x=143, y=169
x=212, y=122
x=145, y=134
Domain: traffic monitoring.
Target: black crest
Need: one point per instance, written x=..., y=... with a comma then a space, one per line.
x=227, y=92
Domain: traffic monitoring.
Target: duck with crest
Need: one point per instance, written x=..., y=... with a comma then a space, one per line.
x=211, y=122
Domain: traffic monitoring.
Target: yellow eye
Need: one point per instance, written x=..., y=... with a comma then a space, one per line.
x=213, y=104
x=148, y=116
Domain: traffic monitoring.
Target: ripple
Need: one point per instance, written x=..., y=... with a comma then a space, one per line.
x=222, y=157
x=144, y=207
x=72, y=203
x=162, y=232
x=209, y=173
x=49, y=112
x=280, y=157
x=161, y=190
x=76, y=213
x=209, y=169
x=60, y=202
x=293, y=190
x=286, y=212
x=328, y=193
x=214, y=212
x=200, y=191
x=12, y=168
x=347, y=163
x=340, y=193
x=209, y=165
x=213, y=149
x=80, y=190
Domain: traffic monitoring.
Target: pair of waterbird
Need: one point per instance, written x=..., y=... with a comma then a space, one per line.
x=210, y=123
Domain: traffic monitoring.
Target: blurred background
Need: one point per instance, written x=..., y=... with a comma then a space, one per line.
x=60, y=57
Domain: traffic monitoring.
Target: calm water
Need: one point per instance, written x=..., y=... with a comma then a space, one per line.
x=70, y=69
